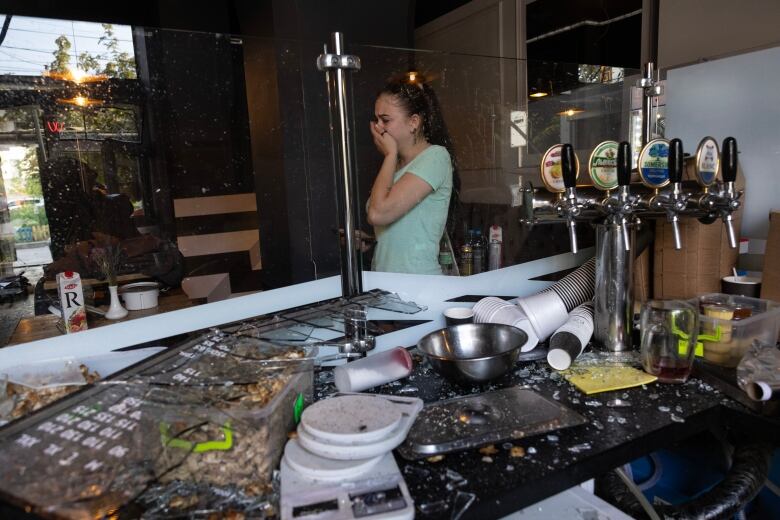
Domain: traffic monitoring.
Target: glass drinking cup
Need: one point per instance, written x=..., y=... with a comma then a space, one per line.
x=669, y=330
x=356, y=330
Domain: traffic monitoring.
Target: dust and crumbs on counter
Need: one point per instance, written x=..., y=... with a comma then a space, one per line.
x=505, y=476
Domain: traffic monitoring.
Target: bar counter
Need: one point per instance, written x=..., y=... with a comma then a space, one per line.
x=659, y=415
x=491, y=484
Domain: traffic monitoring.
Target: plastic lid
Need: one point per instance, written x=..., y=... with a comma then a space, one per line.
x=47, y=373
x=68, y=274
x=559, y=359
x=352, y=418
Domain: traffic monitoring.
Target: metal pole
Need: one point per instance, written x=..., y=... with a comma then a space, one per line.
x=649, y=58
x=647, y=104
x=335, y=65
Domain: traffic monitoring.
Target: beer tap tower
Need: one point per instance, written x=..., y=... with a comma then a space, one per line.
x=617, y=213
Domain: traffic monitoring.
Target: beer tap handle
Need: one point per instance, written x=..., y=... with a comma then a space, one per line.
x=728, y=160
x=675, y=176
x=569, y=171
x=675, y=160
x=729, y=172
x=568, y=166
x=624, y=179
x=624, y=164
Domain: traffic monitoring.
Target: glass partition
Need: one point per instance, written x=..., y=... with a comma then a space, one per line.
x=204, y=162
x=502, y=115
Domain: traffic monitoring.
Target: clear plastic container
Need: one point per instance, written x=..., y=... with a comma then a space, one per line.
x=233, y=407
x=236, y=445
x=729, y=323
x=201, y=427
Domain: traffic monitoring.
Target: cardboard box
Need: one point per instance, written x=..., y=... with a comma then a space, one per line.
x=698, y=267
x=705, y=256
x=642, y=283
x=770, y=281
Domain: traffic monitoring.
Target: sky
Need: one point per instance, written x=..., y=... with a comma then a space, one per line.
x=29, y=44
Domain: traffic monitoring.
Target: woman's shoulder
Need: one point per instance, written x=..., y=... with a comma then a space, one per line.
x=436, y=153
x=438, y=150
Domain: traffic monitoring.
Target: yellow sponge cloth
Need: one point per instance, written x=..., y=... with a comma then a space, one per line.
x=601, y=378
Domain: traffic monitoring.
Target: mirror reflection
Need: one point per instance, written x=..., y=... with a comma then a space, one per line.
x=204, y=163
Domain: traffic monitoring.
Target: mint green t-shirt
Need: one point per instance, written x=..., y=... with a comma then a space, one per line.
x=411, y=243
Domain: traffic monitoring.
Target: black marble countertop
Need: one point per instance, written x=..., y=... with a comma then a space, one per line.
x=490, y=485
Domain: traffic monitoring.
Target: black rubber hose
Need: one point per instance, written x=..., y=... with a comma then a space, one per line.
x=746, y=477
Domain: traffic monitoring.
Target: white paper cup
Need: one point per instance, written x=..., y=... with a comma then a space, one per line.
x=545, y=311
x=741, y=285
x=458, y=316
x=374, y=370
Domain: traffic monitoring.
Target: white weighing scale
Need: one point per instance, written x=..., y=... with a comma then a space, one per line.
x=341, y=466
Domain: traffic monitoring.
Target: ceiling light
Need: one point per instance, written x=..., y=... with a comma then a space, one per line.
x=81, y=101
x=570, y=111
x=540, y=89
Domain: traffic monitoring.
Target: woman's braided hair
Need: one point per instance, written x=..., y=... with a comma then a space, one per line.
x=417, y=97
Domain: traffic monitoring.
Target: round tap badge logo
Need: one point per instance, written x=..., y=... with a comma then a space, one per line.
x=707, y=161
x=551, y=172
x=602, y=165
x=653, y=163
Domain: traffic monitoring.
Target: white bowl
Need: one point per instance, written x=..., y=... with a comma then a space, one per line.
x=140, y=295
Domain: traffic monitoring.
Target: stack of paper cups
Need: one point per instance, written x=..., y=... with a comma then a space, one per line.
x=546, y=312
x=374, y=370
x=496, y=310
x=570, y=339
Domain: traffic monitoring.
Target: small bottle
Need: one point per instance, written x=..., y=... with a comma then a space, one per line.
x=495, y=248
x=445, y=257
x=478, y=251
x=466, y=257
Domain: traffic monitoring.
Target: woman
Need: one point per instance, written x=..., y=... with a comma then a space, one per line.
x=416, y=183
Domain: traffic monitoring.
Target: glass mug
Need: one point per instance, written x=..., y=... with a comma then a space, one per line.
x=356, y=330
x=669, y=330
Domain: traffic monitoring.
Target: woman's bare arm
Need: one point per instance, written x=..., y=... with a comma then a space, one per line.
x=389, y=201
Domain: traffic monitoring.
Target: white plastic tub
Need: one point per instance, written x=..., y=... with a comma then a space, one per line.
x=140, y=295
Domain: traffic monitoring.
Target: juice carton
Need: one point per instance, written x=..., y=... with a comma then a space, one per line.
x=74, y=312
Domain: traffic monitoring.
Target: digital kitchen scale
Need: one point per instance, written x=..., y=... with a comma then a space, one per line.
x=379, y=492
x=341, y=465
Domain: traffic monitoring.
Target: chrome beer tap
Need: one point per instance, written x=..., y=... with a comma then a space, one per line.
x=674, y=201
x=728, y=200
x=568, y=206
x=725, y=201
x=625, y=207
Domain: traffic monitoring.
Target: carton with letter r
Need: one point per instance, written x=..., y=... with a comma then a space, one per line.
x=74, y=311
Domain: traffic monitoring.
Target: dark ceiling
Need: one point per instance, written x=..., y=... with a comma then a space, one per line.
x=617, y=43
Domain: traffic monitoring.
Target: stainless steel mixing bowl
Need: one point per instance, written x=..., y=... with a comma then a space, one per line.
x=473, y=352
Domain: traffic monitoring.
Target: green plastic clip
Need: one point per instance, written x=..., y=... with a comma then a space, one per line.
x=707, y=337
x=298, y=408
x=682, y=344
x=201, y=447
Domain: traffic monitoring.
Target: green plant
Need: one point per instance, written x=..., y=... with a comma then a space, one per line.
x=29, y=215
